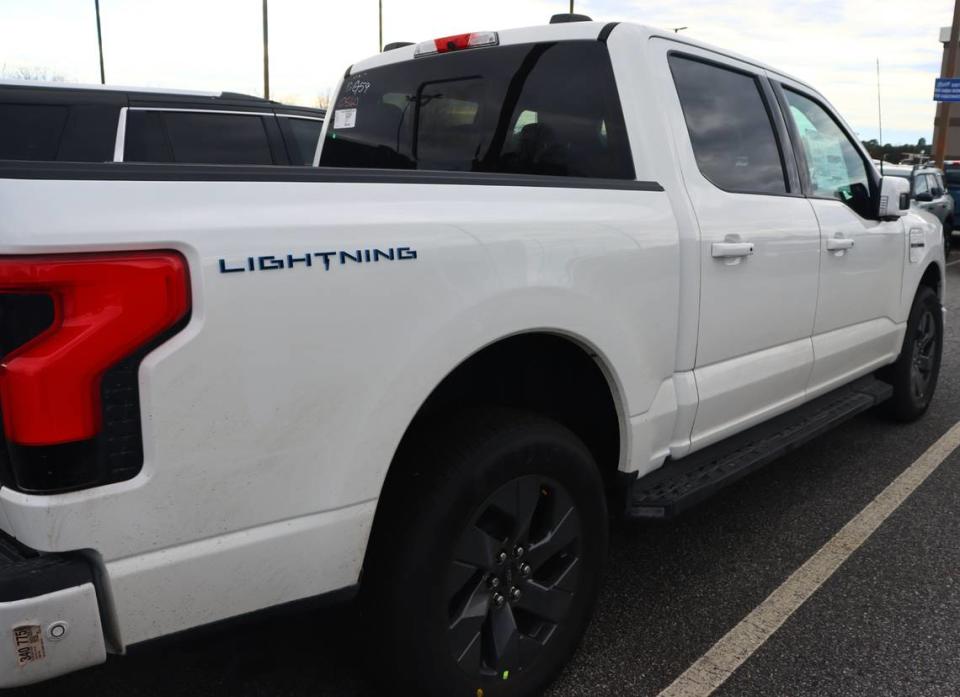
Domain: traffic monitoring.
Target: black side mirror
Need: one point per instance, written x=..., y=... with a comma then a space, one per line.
x=924, y=197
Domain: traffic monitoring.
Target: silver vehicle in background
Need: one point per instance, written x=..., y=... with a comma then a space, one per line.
x=928, y=192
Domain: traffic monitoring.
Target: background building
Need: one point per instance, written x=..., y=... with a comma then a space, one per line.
x=952, y=151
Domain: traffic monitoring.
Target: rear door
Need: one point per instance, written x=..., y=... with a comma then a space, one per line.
x=759, y=239
x=862, y=258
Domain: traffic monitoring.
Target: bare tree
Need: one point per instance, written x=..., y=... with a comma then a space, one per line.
x=30, y=72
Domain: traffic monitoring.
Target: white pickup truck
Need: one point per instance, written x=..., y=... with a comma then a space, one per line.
x=535, y=276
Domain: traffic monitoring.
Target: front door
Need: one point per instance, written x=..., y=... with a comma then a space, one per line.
x=861, y=257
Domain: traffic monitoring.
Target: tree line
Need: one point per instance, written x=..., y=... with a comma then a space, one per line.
x=895, y=153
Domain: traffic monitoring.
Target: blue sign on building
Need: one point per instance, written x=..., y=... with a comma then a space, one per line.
x=947, y=89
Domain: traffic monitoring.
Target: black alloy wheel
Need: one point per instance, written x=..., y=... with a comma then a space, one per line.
x=485, y=558
x=924, y=354
x=513, y=577
x=914, y=375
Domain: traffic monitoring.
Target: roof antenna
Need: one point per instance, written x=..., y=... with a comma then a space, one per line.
x=879, y=116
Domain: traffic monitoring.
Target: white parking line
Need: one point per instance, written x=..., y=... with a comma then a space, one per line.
x=957, y=261
x=711, y=670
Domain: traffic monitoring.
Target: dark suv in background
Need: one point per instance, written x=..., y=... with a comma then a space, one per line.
x=951, y=176
x=63, y=122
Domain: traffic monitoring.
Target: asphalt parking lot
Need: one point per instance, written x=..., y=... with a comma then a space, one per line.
x=886, y=623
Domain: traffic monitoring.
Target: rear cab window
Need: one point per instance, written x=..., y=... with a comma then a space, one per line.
x=535, y=109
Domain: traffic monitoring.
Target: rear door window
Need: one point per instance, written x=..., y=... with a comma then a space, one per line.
x=31, y=131
x=543, y=109
x=196, y=137
x=730, y=127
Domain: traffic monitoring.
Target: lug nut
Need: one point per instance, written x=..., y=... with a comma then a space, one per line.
x=525, y=569
x=502, y=557
x=515, y=593
x=518, y=552
x=494, y=582
x=498, y=599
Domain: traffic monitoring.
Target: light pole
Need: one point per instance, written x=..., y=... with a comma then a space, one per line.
x=380, y=47
x=266, y=55
x=96, y=5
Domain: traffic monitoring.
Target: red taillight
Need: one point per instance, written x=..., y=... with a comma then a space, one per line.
x=105, y=307
x=457, y=42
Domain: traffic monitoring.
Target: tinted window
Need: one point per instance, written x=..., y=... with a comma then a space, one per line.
x=90, y=134
x=729, y=126
x=835, y=167
x=302, y=137
x=31, y=131
x=547, y=109
x=146, y=139
x=196, y=137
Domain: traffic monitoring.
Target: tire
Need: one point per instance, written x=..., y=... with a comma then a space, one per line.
x=491, y=484
x=914, y=375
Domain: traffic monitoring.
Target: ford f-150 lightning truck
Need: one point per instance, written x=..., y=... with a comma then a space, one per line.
x=534, y=278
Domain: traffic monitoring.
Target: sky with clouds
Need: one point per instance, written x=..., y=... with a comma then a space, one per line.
x=216, y=44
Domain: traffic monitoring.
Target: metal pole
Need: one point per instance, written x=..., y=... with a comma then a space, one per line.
x=103, y=79
x=571, y=6
x=879, y=117
x=943, y=108
x=380, y=47
x=266, y=55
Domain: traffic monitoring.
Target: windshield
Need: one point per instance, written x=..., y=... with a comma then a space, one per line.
x=548, y=109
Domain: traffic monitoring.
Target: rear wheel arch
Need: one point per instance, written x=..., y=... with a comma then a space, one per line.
x=582, y=393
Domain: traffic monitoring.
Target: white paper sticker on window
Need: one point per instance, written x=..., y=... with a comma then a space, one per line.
x=345, y=118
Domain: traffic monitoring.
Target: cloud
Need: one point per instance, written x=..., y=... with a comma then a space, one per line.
x=215, y=44
x=832, y=45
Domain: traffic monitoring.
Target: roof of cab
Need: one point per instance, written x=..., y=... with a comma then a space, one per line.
x=570, y=31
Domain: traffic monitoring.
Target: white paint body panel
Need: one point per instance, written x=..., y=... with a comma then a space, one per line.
x=270, y=422
x=281, y=400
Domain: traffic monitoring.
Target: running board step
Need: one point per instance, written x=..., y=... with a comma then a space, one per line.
x=681, y=484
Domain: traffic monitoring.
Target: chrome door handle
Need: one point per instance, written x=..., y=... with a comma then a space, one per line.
x=727, y=250
x=837, y=244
